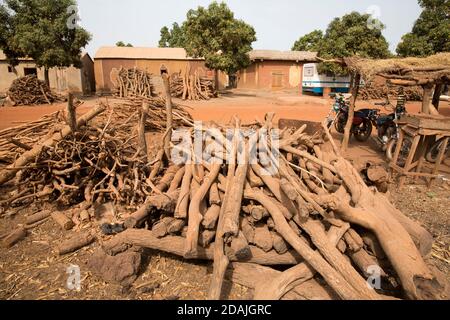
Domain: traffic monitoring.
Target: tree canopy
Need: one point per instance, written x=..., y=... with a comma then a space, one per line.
x=173, y=38
x=349, y=35
x=122, y=44
x=430, y=33
x=44, y=30
x=309, y=42
x=214, y=34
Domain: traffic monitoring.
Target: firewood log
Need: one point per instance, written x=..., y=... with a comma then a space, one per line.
x=75, y=243
x=211, y=217
x=14, y=237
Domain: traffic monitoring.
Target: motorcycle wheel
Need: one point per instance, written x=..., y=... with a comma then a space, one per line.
x=404, y=152
x=340, y=123
x=363, y=131
x=434, y=151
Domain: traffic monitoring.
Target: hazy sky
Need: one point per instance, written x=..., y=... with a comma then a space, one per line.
x=278, y=23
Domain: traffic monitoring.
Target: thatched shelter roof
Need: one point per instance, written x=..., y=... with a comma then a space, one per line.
x=403, y=71
x=274, y=55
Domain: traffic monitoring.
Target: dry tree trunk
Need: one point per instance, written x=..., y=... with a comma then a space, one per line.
x=175, y=245
x=333, y=277
x=374, y=212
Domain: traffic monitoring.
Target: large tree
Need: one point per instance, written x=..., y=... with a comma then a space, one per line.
x=309, y=42
x=173, y=38
x=430, y=33
x=214, y=34
x=44, y=30
x=353, y=35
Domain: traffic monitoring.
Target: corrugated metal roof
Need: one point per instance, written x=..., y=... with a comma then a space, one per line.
x=283, y=55
x=142, y=53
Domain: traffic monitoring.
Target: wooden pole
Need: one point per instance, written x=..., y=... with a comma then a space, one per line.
x=169, y=125
x=351, y=111
x=437, y=95
x=142, y=120
x=427, y=96
x=71, y=113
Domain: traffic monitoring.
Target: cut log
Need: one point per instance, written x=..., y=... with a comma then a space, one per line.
x=279, y=244
x=211, y=217
x=167, y=179
x=333, y=277
x=75, y=243
x=175, y=245
x=62, y=220
x=206, y=238
x=296, y=276
x=263, y=238
x=160, y=229
x=195, y=215
x=248, y=230
x=38, y=217
x=251, y=275
x=175, y=226
x=14, y=237
x=239, y=248
x=162, y=203
x=181, y=209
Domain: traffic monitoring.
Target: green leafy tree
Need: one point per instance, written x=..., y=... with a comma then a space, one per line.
x=214, y=34
x=430, y=33
x=351, y=35
x=44, y=30
x=309, y=42
x=122, y=44
x=173, y=38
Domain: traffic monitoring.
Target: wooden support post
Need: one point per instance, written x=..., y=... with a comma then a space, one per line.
x=409, y=160
x=351, y=111
x=439, y=159
x=169, y=123
x=71, y=114
x=427, y=96
x=437, y=95
x=421, y=153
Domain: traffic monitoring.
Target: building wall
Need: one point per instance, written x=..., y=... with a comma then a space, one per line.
x=62, y=80
x=104, y=67
x=274, y=75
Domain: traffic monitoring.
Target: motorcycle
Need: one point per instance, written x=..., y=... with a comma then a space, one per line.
x=387, y=127
x=435, y=149
x=362, y=125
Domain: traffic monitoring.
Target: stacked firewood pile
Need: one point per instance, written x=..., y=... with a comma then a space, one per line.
x=30, y=90
x=192, y=87
x=14, y=141
x=130, y=83
x=314, y=212
x=303, y=206
x=373, y=91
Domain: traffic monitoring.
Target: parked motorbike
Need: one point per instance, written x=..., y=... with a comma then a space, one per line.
x=387, y=127
x=362, y=125
x=435, y=149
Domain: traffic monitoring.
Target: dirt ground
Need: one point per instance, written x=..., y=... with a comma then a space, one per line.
x=33, y=270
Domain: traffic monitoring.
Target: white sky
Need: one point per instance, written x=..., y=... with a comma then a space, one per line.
x=277, y=23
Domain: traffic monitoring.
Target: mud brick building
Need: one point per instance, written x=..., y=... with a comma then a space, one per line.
x=62, y=80
x=275, y=70
x=110, y=59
